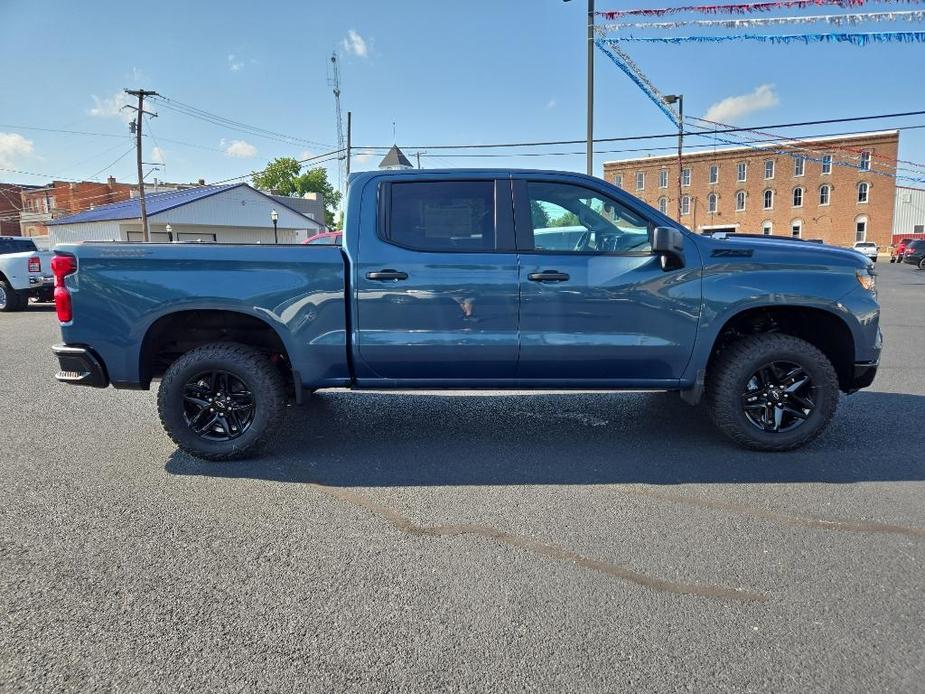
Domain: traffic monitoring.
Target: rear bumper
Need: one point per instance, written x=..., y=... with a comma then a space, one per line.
x=80, y=366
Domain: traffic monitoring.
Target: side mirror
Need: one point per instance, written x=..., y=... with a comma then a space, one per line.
x=668, y=243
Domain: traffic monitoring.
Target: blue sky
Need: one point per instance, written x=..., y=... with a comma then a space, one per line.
x=479, y=71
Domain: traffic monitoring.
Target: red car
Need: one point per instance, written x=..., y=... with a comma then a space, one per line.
x=898, y=250
x=325, y=238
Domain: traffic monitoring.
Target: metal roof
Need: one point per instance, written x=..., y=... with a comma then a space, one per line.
x=154, y=202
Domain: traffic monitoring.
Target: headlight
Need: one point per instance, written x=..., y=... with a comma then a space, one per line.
x=867, y=278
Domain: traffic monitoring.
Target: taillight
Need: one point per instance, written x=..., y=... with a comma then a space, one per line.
x=61, y=267
x=35, y=264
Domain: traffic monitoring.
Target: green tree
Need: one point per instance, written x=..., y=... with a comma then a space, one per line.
x=284, y=176
x=538, y=215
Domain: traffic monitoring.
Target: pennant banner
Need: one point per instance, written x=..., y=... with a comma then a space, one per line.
x=742, y=8
x=853, y=39
x=836, y=19
x=626, y=64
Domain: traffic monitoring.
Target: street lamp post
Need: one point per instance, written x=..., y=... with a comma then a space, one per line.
x=274, y=215
x=679, y=99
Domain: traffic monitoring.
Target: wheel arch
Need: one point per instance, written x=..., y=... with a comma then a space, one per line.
x=823, y=328
x=173, y=334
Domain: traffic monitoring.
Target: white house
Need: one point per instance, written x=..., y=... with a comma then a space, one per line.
x=233, y=213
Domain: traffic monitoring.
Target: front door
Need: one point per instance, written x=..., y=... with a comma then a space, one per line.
x=597, y=307
x=437, y=290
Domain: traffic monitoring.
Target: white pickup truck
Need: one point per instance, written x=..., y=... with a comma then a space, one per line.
x=25, y=272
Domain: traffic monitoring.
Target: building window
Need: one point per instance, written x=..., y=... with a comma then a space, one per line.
x=769, y=168
x=618, y=180
x=711, y=203
x=860, y=229
x=798, y=197
x=768, y=199
x=826, y=163
x=741, y=171
x=796, y=228
x=685, y=204
x=865, y=161
x=767, y=228
x=824, y=192
x=863, y=191
x=663, y=178
x=685, y=177
x=740, y=201
x=663, y=205
x=640, y=180
x=714, y=174
x=799, y=166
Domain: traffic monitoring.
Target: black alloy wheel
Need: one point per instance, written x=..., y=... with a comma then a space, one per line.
x=779, y=397
x=218, y=406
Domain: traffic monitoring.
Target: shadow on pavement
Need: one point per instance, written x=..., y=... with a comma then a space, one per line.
x=384, y=440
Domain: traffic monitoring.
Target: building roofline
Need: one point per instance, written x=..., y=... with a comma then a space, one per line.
x=762, y=146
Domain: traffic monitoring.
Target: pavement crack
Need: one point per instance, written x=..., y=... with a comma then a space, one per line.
x=804, y=521
x=543, y=549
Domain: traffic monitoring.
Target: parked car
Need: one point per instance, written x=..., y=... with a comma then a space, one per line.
x=446, y=284
x=25, y=272
x=325, y=238
x=897, y=251
x=915, y=253
x=867, y=248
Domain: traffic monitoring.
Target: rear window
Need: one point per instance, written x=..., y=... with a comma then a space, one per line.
x=16, y=245
x=866, y=244
x=443, y=215
x=917, y=243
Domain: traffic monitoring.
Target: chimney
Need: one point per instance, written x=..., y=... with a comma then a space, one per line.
x=111, y=181
x=202, y=181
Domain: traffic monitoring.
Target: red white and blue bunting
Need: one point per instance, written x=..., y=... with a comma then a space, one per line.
x=834, y=19
x=855, y=39
x=743, y=8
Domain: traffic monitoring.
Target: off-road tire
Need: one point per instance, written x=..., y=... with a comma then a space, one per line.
x=11, y=300
x=734, y=366
x=251, y=367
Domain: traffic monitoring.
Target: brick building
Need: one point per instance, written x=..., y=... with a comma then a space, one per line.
x=10, y=204
x=840, y=189
x=60, y=198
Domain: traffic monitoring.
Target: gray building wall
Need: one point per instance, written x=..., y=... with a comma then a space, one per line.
x=909, y=211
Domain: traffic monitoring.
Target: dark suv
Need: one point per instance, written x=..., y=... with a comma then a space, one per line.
x=915, y=253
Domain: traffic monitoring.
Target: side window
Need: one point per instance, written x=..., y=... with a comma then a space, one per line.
x=442, y=215
x=572, y=219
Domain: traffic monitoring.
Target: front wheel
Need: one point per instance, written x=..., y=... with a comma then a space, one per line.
x=772, y=392
x=221, y=401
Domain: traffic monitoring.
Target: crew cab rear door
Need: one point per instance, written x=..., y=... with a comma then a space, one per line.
x=436, y=283
x=597, y=307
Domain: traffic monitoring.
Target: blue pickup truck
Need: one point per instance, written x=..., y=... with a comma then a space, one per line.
x=474, y=279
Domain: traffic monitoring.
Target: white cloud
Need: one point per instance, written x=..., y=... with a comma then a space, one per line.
x=13, y=146
x=158, y=156
x=306, y=154
x=240, y=149
x=234, y=64
x=356, y=44
x=363, y=157
x=552, y=103
x=111, y=107
x=732, y=108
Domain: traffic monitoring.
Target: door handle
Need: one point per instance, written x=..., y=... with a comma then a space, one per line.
x=387, y=274
x=548, y=276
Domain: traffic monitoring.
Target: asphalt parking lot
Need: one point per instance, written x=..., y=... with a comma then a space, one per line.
x=491, y=542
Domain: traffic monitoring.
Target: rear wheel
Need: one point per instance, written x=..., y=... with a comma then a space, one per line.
x=922, y=263
x=9, y=297
x=772, y=392
x=221, y=401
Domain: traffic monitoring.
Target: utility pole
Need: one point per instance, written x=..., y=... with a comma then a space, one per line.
x=349, y=139
x=679, y=99
x=419, y=159
x=139, y=113
x=590, y=87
